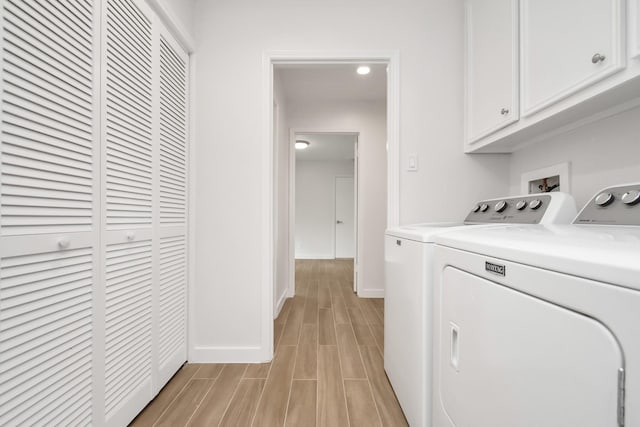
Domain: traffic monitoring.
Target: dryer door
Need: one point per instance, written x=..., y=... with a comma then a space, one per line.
x=509, y=359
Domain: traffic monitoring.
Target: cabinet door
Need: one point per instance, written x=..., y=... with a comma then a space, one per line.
x=48, y=233
x=170, y=319
x=127, y=179
x=566, y=46
x=491, y=66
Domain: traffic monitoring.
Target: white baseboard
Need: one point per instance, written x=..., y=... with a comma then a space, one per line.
x=371, y=293
x=228, y=355
x=315, y=256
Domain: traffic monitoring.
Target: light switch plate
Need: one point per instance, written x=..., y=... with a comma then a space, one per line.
x=413, y=163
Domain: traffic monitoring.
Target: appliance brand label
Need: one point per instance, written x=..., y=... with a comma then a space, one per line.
x=495, y=268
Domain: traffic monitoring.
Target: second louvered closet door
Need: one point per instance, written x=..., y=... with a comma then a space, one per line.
x=128, y=207
x=170, y=320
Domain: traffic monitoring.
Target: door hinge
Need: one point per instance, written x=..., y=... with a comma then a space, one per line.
x=621, y=397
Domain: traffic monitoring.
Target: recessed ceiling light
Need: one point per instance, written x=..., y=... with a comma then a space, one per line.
x=301, y=145
x=363, y=69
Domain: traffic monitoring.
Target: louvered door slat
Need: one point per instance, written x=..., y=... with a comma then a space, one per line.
x=47, y=120
x=47, y=195
x=45, y=331
x=129, y=125
x=173, y=77
x=172, y=297
x=128, y=320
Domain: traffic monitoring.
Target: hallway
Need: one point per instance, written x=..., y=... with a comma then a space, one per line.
x=327, y=370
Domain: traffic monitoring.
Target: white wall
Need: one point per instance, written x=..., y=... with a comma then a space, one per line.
x=315, y=206
x=369, y=119
x=229, y=322
x=603, y=153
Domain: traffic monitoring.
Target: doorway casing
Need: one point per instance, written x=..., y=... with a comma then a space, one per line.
x=270, y=59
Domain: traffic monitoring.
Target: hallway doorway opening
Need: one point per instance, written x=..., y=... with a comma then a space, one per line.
x=322, y=99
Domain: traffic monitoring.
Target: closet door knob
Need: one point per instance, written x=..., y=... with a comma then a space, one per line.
x=597, y=58
x=504, y=111
x=64, y=243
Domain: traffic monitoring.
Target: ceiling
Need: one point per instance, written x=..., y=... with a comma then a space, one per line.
x=332, y=82
x=327, y=147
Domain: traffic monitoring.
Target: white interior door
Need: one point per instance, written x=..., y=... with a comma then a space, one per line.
x=48, y=233
x=128, y=207
x=345, y=217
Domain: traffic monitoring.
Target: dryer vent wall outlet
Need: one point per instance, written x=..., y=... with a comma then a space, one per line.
x=545, y=185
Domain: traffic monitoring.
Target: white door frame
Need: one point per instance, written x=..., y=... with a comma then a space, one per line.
x=269, y=59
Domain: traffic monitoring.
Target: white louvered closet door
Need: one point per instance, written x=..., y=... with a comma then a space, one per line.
x=128, y=207
x=48, y=218
x=170, y=319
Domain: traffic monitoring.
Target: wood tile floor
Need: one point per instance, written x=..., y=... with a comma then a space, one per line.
x=327, y=369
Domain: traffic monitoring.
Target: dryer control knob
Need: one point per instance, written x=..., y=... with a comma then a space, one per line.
x=500, y=206
x=631, y=197
x=604, y=199
x=475, y=209
x=484, y=207
x=535, y=204
x=521, y=205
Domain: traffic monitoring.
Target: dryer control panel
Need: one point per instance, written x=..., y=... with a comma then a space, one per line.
x=618, y=205
x=512, y=210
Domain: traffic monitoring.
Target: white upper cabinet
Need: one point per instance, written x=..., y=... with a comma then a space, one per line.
x=579, y=61
x=566, y=46
x=491, y=66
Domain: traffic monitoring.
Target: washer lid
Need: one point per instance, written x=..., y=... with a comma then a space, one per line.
x=424, y=232
x=607, y=254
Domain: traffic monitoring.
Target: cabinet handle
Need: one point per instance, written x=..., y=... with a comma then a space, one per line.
x=597, y=58
x=504, y=111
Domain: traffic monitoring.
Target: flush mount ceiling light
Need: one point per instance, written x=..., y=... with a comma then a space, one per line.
x=301, y=145
x=363, y=70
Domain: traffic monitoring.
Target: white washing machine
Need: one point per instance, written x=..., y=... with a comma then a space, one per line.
x=540, y=325
x=408, y=295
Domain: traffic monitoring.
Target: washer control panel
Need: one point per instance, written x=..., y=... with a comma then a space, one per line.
x=512, y=210
x=613, y=206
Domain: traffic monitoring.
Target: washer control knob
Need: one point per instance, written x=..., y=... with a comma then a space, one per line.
x=500, y=206
x=604, y=199
x=475, y=209
x=521, y=205
x=484, y=207
x=631, y=197
x=535, y=204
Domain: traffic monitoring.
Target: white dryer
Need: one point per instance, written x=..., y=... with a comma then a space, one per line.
x=540, y=325
x=408, y=295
